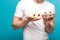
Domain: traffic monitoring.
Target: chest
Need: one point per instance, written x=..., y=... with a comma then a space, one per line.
x=37, y=9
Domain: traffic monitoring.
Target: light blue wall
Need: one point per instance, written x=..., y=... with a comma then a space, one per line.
x=7, y=9
x=56, y=34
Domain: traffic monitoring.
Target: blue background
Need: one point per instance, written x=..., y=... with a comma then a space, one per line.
x=7, y=9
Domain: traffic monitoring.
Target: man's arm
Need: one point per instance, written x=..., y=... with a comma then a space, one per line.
x=49, y=26
x=49, y=23
x=19, y=22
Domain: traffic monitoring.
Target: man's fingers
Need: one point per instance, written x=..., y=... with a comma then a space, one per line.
x=35, y=19
x=48, y=17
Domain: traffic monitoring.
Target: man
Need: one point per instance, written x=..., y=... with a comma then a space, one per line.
x=34, y=28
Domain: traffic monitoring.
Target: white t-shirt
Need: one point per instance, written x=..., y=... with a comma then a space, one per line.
x=34, y=30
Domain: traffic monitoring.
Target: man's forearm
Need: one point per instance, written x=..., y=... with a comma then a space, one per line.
x=24, y=22
x=21, y=23
x=49, y=27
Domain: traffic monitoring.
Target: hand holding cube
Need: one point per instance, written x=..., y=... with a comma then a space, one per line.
x=45, y=15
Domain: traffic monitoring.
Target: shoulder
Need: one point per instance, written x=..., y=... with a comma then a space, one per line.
x=50, y=4
x=20, y=5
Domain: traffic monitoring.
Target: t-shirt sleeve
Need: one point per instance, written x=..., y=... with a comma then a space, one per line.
x=19, y=10
x=53, y=9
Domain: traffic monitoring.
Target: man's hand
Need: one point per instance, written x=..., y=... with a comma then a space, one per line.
x=32, y=19
x=49, y=22
x=19, y=22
